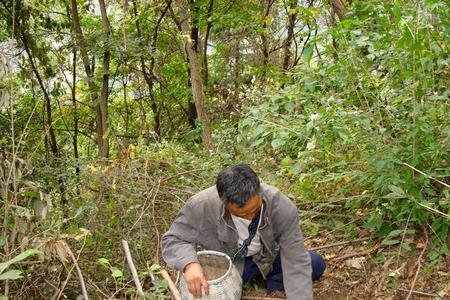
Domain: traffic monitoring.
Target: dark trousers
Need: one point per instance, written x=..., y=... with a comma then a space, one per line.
x=274, y=280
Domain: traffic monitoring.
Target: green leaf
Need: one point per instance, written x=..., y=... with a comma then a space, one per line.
x=104, y=262
x=397, y=193
x=396, y=189
x=155, y=267
x=18, y=258
x=11, y=275
x=406, y=246
x=307, y=53
x=296, y=168
x=257, y=142
x=395, y=233
x=116, y=272
x=290, y=106
x=3, y=240
x=2, y=297
x=390, y=242
x=286, y=162
x=277, y=143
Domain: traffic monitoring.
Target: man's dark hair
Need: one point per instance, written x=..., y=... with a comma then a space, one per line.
x=237, y=184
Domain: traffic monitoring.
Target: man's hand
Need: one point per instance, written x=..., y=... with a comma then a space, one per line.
x=195, y=279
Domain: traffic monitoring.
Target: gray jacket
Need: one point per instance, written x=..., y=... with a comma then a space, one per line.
x=204, y=221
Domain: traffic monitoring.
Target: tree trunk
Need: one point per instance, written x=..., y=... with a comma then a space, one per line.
x=89, y=70
x=292, y=14
x=49, y=123
x=149, y=76
x=75, y=120
x=205, y=46
x=48, y=113
x=264, y=39
x=339, y=8
x=191, y=110
x=104, y=150
x=197, y=87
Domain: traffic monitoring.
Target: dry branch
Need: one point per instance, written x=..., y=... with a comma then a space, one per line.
x=172, y=286
x=419, y=266
x=355, y=254
x=341, y=243
x=261, y=298
x=77, y=267
x=126, y=249
x=426, y=175
x=417, y=292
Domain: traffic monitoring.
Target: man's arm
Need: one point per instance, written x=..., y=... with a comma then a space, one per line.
x=179, y=252
x=177, y=244
x=295, y=260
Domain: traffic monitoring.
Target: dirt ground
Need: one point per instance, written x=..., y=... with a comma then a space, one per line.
x=366, y=269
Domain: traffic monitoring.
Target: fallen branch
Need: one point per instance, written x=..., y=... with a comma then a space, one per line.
x=59, y=291
x=318, y=213
x=419, y=266
x=172, y=286
x=126, y=249
x=261, y=298
x=418, y=293
x=341, y=243
x=355, y=254
x=77, y=267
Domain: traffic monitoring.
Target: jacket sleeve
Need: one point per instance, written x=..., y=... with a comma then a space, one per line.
x=177, y=243
x=295, y=259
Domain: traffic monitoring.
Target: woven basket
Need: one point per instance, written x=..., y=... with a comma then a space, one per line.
x=225, y=282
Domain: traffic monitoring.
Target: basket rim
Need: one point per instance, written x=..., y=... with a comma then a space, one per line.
x=217, y=253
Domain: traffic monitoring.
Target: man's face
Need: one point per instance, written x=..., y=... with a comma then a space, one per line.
x=249, y=210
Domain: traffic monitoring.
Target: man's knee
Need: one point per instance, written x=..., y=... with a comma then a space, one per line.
x=318, y=265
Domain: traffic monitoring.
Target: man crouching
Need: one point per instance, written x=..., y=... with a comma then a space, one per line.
x=255, y=224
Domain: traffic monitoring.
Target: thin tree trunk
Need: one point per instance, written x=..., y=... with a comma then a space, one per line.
x=49, y=123
x=205, y=46
x=125, y=100
x=104, y=151
x=150, y=75
x=292, y=13
x=191, y=109
x=89, y=70
x=75, y=109
x=75, y=120
x=48, y=113
x=197, y=87
x=264, y=39
x=339, y=8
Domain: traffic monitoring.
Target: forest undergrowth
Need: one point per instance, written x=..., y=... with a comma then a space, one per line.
x=353, y=128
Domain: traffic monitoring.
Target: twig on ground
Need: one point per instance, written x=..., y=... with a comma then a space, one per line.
x=355, y=254
x=60, y=291
x=319, y=213
x=341, y=243
x=260, y=298
x=172, y=286
x=403, y=237
x=336, y=228
x=97, y=288
x=419, y=266
x=80, y=275
x=126, y=249
x=417, y=292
